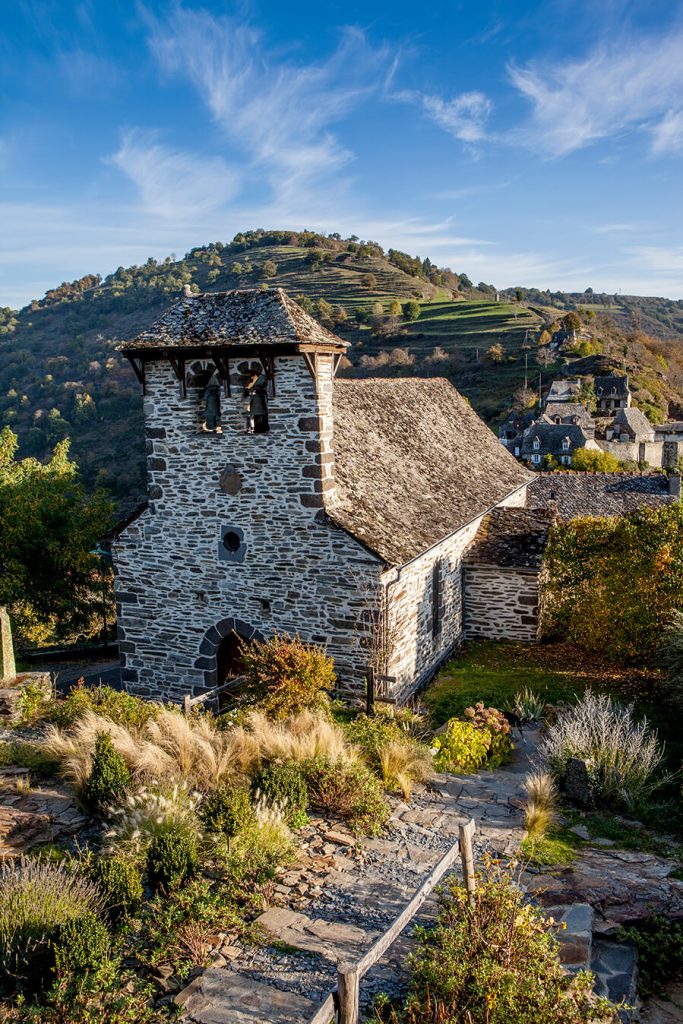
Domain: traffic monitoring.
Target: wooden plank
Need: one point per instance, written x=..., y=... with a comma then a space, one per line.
x=406, y=916
x=327, y=1011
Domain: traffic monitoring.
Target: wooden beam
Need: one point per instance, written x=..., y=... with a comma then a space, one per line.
x=338, y=356
x=222, y=364
x=178, y=365
x=309, y=359
x=139, y=369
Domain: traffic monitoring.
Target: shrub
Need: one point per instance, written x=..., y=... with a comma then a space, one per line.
x=36, y=900
x=660, y=953
x=285, y=675
x=27, y=755
x=402, y=764
x=622, y=756
x=672, y=653
x=82, y=946
x=120, y=882
x=34, y=702
x=258, y=850
x=171, y=858
x=411, y=310
x=462, y=747
x=386, y=740
x=109, y=777
x=228, y=811
x=116, y=705
x=496, y=724
x=152, y=812
x=495, y=962
x=285, y=785
x=348, y=790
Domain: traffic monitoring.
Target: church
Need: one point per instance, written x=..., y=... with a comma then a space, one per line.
x=379, y=517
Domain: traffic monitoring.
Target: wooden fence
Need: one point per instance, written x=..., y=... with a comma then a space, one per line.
x=190, y=702
x=343, y=1003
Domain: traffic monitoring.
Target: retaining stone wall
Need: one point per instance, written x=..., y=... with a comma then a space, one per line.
x=501, y=603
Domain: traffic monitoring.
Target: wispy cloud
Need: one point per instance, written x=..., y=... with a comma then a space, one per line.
x=174, y=183
x=279, y=111
x=630, y=84
x=463, y=116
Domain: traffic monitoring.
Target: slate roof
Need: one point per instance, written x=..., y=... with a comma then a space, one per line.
x=636, y=421
x=551, y=436
x=563, y=390
x=244, y=317
x=414, y=463
x=568, y=411
x=598, y=494
x=604, y=385
x=512, y=537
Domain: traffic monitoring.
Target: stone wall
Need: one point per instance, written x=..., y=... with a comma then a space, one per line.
x=635, y=451
x=410, y=600
x=291, y=570
x=501, y=603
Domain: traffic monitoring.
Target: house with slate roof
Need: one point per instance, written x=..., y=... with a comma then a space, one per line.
x=570, y=412
x=612, y=392
x=558, y=440
x=571, y=495
x=281, y=498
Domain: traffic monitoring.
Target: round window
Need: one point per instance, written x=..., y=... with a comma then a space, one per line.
x=232, y=541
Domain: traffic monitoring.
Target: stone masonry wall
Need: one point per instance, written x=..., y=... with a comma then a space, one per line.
x=179, y=589
x=409, y=589
x=501, y=603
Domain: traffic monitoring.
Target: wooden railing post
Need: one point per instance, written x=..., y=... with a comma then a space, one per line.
x=370, y=692
x=187, y=705
x=348, y=986
x=465, y=833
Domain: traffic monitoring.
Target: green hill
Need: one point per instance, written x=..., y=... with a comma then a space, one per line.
x=61, y=376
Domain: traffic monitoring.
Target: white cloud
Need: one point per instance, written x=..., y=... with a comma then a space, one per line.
x=277, y=110
x=626, y=85
x=173, y=183
x=464, y=116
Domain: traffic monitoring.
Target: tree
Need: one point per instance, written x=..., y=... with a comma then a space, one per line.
x=49, y=578
x=520, y=294
x=269, y=269
x=495, y=353
x=590, y=461
x=411, y=310
x=395, y=308
x=324, y=312
x=369, y=281
x=572, y=322
x=237, y=269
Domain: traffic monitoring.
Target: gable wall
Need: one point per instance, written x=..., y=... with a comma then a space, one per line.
x=174, y=583
x=500, y=603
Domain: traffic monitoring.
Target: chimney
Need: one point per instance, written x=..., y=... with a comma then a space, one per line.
x=675, y=485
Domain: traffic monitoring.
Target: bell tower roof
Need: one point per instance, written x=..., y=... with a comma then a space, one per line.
x=248, y=318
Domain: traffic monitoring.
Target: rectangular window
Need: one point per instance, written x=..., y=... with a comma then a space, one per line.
x=437, y=597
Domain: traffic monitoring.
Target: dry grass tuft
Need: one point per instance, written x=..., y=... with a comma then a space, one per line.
x=299, y=738
x=403, y=764
x=540, y=812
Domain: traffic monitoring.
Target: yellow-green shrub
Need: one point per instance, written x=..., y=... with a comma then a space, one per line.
x=285, y=675
x=462, y=747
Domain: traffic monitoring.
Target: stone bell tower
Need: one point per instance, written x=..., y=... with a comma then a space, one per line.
x=234, y=540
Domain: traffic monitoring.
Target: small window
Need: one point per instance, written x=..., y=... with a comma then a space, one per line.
x=231, y=541
x=566, y=460
x=517, y=450
x=537, y=443
x=256, y=400
x=437, y=594
x=566, y=443
x=537, y=459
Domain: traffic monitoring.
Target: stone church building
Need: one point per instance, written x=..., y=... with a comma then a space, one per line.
x=283, y=499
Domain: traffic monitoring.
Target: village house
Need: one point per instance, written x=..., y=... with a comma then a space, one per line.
x=564, y=391
x=612, y=392
x=570, y=413
x=571, y=495
x=281, y=498
x=543, y=441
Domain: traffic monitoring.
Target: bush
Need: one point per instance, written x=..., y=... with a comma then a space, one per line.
x=348, y=790
x=622, y=756
x=495, y=962
x=660, y=953
x=120, y=882
x=526, y=706
x=150, y=813
x=496, y=724
x=116, y=705
x=27, y=755
x=672, y=653
x=34, y=702
x=262, y=847
x=285, y=676
x=284, y=784
x=228, y=811
x=171, y=858
x=411, y=310
x=82, y=946
x=36, y=900
x=109, y=777
x=462, y=747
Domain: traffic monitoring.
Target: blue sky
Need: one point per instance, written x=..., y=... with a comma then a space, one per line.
x=523, y=143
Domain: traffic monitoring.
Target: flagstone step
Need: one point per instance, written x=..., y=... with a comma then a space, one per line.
x=219, y=996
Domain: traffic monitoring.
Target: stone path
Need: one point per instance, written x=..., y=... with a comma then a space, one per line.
x=44, y=813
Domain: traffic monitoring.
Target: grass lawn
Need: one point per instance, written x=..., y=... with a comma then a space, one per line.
x=493, y=671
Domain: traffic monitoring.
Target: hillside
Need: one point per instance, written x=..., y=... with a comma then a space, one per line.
x=60, y=374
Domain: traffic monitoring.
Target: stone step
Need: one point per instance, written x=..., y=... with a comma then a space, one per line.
x=337, y=941
x=615, y=966
x=575, y=934
x=220, y=996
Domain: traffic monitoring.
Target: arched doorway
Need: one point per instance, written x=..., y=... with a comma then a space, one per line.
x=229, y=661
